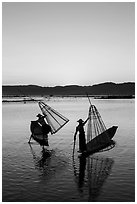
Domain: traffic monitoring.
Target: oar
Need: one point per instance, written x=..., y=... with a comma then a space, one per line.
x=30, y=138
x=74, y=144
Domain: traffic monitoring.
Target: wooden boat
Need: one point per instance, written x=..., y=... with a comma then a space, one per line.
x=101, y=141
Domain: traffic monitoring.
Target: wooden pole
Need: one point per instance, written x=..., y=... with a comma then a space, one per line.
x=89, y=99
x=30, y=138
x=74, y=144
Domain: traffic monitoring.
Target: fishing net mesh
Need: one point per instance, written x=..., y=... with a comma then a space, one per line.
x=54, y=119
x=95, y=125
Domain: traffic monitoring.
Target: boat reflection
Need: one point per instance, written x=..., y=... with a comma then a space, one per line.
x=91, y=173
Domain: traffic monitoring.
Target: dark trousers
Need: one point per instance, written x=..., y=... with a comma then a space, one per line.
x=82, y=142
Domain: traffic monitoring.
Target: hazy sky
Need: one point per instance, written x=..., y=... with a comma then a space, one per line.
x=51, y=44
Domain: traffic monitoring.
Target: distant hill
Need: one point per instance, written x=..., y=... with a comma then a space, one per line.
x=108, y=88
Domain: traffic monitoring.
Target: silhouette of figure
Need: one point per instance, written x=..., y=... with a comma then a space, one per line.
x=45, y=127
x=82, y=139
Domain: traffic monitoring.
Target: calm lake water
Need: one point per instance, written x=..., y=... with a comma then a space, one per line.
x=29, y=176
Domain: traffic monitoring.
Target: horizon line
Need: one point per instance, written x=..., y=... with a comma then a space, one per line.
x=68, y=84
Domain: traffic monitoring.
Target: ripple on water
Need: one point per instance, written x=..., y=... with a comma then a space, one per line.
x=27, y=175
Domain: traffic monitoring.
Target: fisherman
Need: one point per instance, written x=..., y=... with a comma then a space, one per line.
x=45, y=127
x=82, y=139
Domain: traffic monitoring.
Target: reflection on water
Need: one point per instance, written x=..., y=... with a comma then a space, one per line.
x=47, y=162
x=30, y=175
x=92, y=173
x=43, y=161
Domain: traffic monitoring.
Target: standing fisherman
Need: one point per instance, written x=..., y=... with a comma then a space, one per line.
x=45, y=127
x=82, y=139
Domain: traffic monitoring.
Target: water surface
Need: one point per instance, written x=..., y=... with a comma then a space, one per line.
x=28, y=175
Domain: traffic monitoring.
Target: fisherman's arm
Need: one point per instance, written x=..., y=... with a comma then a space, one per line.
x=86, y=121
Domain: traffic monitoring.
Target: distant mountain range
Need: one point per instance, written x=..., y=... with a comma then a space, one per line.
x=108, y=88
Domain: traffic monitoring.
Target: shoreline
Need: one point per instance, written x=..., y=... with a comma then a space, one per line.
x=30, y=99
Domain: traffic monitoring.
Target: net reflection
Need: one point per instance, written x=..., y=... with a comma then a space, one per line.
x=91, y=173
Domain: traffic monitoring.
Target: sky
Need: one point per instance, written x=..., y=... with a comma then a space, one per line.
x=67, y=43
